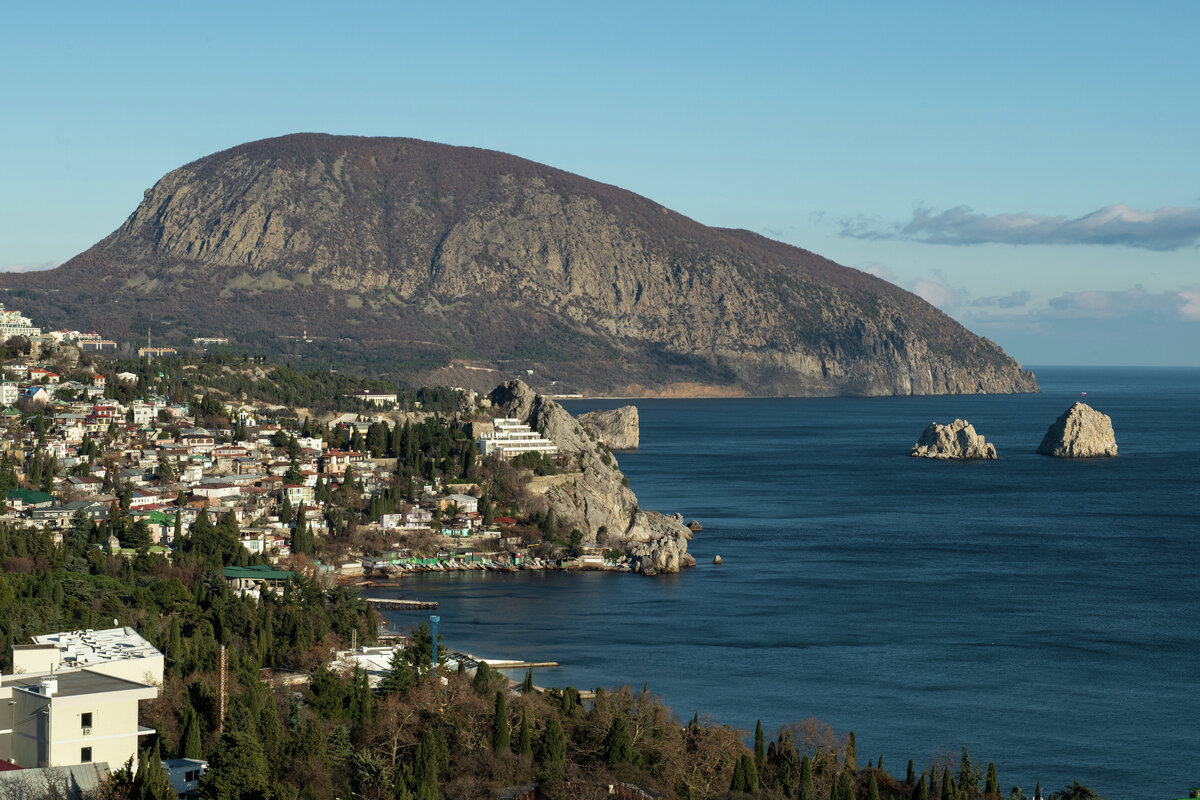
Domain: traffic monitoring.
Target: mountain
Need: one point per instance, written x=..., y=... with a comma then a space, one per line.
x=464, y=266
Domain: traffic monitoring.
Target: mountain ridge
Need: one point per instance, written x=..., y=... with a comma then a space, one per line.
x=435, y=259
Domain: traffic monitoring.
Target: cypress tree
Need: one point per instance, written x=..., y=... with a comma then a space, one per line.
x=500, y=734
x=845, y=785
x=946, y=793
x=483, y=677
x=1037, y=791
x=993, y=782
x=911, y=778
x=527, y=684
x=751, y=773
x=852, y=754
x=618, y=744
x=553, y=746
x=738, y=782
x=807, y=790
x=760, y=746
x=872, y=788
x=921, y=791
x=189, y=737
x=524, y=740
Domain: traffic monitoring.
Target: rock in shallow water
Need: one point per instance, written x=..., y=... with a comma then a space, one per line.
x=958, y=441
x=1080, y=432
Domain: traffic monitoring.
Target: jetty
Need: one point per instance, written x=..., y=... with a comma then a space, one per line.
x=471, y=662
x=398, y=604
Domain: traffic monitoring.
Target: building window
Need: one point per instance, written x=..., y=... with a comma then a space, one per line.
x=85, y=719
x=85, y=755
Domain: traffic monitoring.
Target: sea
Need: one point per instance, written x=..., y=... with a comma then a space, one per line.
x=1043, y=613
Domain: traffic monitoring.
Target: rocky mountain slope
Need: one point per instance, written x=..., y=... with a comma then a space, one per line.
x=594, y=495
x=447, y=262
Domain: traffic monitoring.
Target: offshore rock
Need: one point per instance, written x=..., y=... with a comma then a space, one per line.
x=590, y=492
x=695, y=526
x=617, y=428
x=957, y=441
x=1080, y=432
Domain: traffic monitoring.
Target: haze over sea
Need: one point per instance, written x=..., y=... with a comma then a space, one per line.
x=1042, y=612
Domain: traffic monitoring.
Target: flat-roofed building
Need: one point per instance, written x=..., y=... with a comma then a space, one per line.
x=121, y=652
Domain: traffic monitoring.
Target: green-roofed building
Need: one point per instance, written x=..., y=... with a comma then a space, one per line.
x=21, y=499
x=257, y=576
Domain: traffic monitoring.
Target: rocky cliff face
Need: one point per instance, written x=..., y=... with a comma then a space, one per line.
x=596, y=497
x=432, y=258
x=1080, y=432
x=957, y=441
x=616, y=429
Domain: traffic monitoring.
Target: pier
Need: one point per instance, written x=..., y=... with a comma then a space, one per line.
x=396, y=604
x=472, y=662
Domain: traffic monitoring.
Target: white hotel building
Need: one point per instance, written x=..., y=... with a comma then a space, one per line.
x=511, y=437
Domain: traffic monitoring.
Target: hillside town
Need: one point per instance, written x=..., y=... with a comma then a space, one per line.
x=93, y=449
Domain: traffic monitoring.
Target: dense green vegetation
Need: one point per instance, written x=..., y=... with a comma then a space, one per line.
x=422, y=735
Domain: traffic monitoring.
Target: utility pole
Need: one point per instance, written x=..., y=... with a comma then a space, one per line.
x=221, y=710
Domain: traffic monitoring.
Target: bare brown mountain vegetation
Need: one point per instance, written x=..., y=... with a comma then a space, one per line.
x=422, y=259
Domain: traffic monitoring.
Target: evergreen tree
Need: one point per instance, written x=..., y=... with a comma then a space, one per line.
x=946, y=793
x=969, y=775
x=527, y=684
x=738, y=782
x=911, y=777
x=807, y=790
x=483, y=677
x=851, y=754
x=524, y=738
x=750, y=773
x=618, y=744
x=760, y=746
x=872, y=788
x=552, y=749
x=921, y=791
x=152, y=782
x=1037, y=791
x=845, y=785
x=500, y=733
x=992, y=786
x=285, y=511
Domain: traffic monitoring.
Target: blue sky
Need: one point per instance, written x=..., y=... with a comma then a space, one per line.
x=1031, y=168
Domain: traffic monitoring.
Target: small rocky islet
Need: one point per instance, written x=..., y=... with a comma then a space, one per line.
x=1079, y=432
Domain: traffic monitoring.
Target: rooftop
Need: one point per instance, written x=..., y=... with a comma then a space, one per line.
x=81, y=648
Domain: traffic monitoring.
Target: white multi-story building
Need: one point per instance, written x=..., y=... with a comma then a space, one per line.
x=511, y=437
x=14, y=323
x=73, y=698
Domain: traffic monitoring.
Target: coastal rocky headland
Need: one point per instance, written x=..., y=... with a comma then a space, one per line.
x=616, y=428
x=459, y=266
x=1080, y=432
x=592, y=495
x=956, y=441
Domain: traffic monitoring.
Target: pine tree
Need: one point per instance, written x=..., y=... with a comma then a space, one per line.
x=760, y=746
x=1037, y=791
x=500, y=733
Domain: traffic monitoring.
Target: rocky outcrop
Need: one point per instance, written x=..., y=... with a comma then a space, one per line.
x=368, y=244
x=591, y=493
x=617, y=428
x=1080, y=432
x=956, y=441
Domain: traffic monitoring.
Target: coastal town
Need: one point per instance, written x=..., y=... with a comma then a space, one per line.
x=113, y=451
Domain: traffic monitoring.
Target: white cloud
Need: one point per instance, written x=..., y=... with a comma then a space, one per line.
x=1168, y=228
x=1174, y=304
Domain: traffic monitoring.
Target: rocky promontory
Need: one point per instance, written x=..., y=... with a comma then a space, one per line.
x=956, y=441
x=617, y=428
x=591, y=493
x=1080, y=432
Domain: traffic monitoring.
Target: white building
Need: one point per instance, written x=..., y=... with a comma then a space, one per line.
x=511, y=437
x=73, y=698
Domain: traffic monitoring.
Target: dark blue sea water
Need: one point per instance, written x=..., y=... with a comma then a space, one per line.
x=1044, y=613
